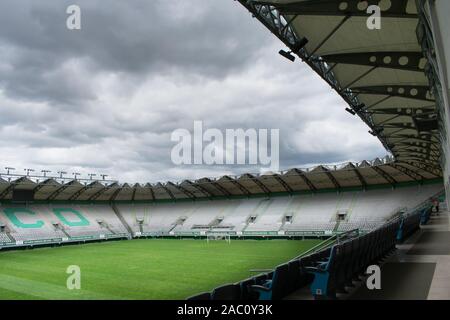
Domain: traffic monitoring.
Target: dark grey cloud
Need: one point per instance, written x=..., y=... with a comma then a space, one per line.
x=108, y=97
x=138, y=38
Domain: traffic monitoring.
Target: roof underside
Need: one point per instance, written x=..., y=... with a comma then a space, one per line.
x=380, y=73
x=361, y=175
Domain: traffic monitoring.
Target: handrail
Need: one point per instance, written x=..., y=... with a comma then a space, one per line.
x=320, y=246
x=326, y=243
x=425, y=203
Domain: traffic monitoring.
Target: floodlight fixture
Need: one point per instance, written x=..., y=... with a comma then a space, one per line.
x=28, y=171
x=75, y=175
x=44, y=172
x=287, y=54
x=8, y=169
x=61, y=173
x=295, y=49
x=349, y=110
x=355, y=109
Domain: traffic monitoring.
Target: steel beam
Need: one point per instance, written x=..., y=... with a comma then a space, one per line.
x=385, y=175
x=306, y=180
x=259, y=183
x=200, y=188
x=167, y=191
x=183, y=190
x=283, y=183
x=96, y=195
x=237, y=184
x=60, y=190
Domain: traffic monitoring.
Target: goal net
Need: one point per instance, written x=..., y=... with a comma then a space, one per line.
x=218, y=237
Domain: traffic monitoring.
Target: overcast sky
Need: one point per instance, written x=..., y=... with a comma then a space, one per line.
x=106, y=99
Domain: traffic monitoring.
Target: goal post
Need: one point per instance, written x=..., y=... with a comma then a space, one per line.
x=218, y=237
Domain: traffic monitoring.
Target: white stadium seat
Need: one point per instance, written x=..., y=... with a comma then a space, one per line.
x=323, y=212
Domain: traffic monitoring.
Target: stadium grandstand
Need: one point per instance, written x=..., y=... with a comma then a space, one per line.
x=315, y=202
x=389, y=212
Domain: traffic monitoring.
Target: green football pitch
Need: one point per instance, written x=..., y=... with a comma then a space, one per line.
x=139, y=269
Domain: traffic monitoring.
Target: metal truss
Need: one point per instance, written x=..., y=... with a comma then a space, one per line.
x=359, y=175
x=199, y=188
x=258, y=182
x=385, y=176
x=77, y=194
x=160, y=185
x=331, y=177
x=96, y=195
x=413, y=175
x=182, y=190
x=243, y=189
x=283, y=183
x=217, y=186
x=308, y=182
x=61, y=189
x=11, y=187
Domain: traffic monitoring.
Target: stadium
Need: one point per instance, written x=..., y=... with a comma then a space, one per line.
x=297, y=234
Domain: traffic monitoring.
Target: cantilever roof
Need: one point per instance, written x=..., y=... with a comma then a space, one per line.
x=337, y=177
x=380, y=73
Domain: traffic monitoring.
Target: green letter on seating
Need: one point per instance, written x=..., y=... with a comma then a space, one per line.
x=83, y=222
x=11, y=213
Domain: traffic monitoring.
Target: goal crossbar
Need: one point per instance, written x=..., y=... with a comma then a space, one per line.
x=218, y=237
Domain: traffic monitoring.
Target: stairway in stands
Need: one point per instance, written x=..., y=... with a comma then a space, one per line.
x=179, y=222
x=109, y=228
x=336, y=227
x=61, y=228
x=8, y=234
x=122, y=220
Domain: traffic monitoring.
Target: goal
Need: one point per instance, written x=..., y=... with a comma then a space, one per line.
x=218, y=237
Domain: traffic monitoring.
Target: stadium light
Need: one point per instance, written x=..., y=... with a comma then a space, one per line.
x=28, y=171
x=287, y=55
x=349, y=110
x=103, y=176
x=297, y=47
x=61, y=173
x=355, y=109
x=91, y=175
x=75, y=174
x=45, y=172
x=8, y=169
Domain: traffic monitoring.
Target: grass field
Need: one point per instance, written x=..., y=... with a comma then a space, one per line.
x=139, y=269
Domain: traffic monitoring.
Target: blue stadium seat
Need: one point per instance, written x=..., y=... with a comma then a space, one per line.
x=275, y=288
x=324, y=284
x=347, y=260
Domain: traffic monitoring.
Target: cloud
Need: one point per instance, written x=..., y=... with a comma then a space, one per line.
x=107, y=98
